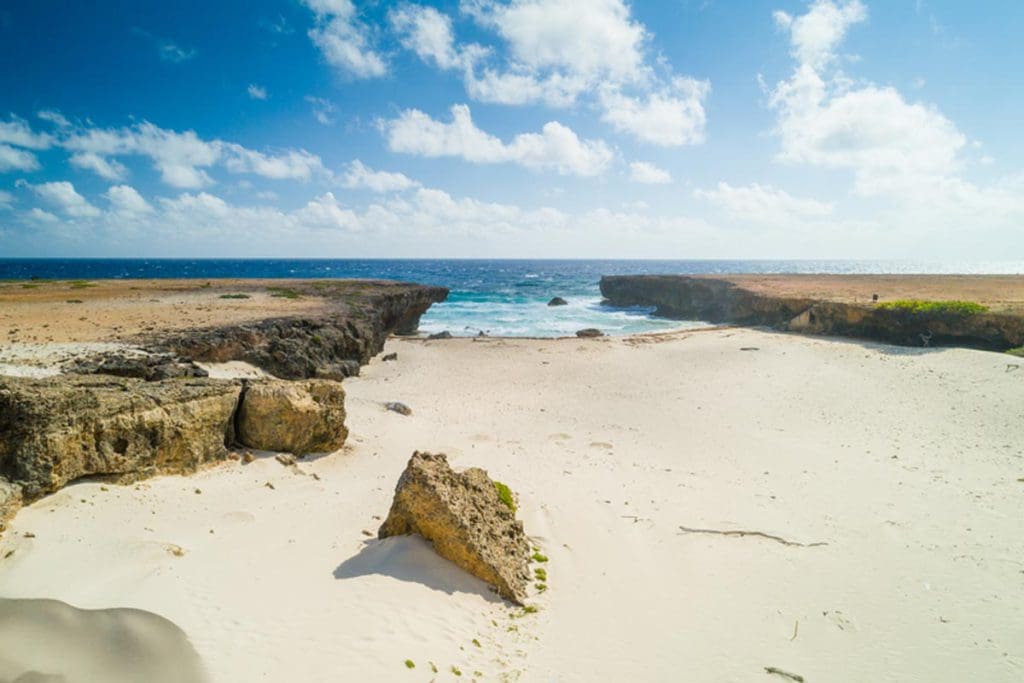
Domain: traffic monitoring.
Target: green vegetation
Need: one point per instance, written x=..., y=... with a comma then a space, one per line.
x=505, y=494
x=541, y=587
x=541, y=574
x=456, y=670
x=537, y=557
x=934, y=307
x=80, y=284
x=409, y=664
x=477, y=643
x=1019, y=352
x=235, y=296
x=284, y=293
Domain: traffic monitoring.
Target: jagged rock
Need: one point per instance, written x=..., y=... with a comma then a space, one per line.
x=590, y=332
x=148, y=366
x=397, y=407
x=441, y=335
x=348, y=325
x=57, y=431
x=298, y=417
x=462, y=515
x=389, y=357
x=10, y=501
x=558, y=301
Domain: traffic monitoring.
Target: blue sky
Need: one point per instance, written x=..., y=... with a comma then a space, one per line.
x=513, y=128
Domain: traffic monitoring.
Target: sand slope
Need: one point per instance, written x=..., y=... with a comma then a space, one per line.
x=906, y=463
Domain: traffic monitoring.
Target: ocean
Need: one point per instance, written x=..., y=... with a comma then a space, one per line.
x=499, y=297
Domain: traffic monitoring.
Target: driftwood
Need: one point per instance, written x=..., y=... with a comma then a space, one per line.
x=779, y=672
x=741, y=533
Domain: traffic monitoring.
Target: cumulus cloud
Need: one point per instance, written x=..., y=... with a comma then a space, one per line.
x=644, y=172
x=126, y=201
x=12, y=159
x=872, y=130
x=764, y=204
x=670, y=117
x=63, y=195
x=343, y=39
x=428, y=33
x=359, y=176
x=257, y=92
x=555, y=147
x=181, y=158
x=18, y=133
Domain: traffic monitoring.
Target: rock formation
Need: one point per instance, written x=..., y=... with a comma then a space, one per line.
x=718, y=300
x=55, y=432
x=297, y=417
x=558, y=301
x=589, y=332
x=465, y=519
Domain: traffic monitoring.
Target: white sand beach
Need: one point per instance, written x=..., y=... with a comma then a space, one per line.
x=888, y=483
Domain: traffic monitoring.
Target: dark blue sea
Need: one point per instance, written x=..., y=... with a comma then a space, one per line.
x=502, y=298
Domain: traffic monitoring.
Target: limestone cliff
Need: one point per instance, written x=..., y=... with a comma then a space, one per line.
x=720, y=300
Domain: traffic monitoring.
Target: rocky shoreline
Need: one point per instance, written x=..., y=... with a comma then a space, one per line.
x=774, y=302
x=123, y=415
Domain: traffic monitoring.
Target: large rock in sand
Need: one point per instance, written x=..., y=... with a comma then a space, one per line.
x=297, y=417
x=10, y=501
x=463, y=516
x=57, y=430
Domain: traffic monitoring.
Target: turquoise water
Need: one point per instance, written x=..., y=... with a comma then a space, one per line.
x=501, y=298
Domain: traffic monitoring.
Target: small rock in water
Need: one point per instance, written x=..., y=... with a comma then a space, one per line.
x=390, y=356
x=441, y=335
x=558, y=301
x=590, y=332
x=400, y=408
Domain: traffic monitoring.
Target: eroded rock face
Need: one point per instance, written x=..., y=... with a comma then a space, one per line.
x=298, y=417
x=56, y=431
x=462, y=515
x=10, y=501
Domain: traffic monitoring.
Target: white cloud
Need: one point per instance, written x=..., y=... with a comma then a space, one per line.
x=556, y=146
x=109, y=169
x=590, y=38
x=181, y=158
x=6, y=199
x=671, y=117
x=644, y=172
x=18, y=133
x=323, y=111
x=63, y=195
x=38, y=215
x=257, y=92
x=54, y=117
x=12, y=159
x=170, y=52
x=764, y=204
x=126, y=201
x=815, y=35
x=293, y=164
x=342, y=39
x=871, y=130
x=361, y=176
x=428, y=33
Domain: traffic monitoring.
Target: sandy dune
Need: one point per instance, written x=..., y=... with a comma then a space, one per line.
x=906, y=464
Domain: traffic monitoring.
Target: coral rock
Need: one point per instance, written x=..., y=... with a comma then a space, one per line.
x=297, y=417
x=463, y=516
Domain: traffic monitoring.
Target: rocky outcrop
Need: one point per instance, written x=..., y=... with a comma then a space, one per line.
x=558, y=301
x=55, y=432
x=721, y=301
x=465, y=519
x=589, y=332
x=297, y=417
x=346, y=332
x=10, y=501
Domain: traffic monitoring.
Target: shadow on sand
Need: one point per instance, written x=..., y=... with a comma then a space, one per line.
x=411, y=558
